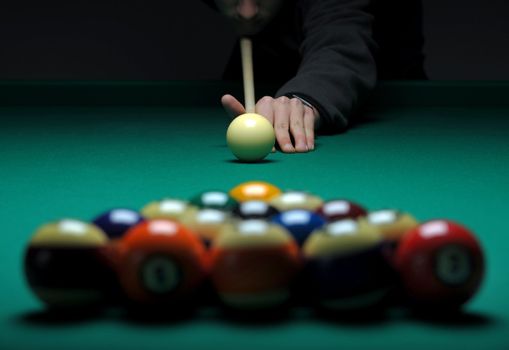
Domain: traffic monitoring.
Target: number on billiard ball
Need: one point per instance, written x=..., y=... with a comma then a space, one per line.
x=161, y=263
x=441, y=265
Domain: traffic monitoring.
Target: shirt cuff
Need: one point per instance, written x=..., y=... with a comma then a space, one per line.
x=306, y=103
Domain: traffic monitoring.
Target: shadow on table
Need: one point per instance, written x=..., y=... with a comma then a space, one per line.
x=460, y=319
x=58, y=318
x=264, y=161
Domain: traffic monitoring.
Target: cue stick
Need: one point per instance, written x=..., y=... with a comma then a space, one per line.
x=246, y=50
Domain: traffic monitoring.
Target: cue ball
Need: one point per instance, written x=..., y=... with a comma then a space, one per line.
x=441, y=265
x=250, y=137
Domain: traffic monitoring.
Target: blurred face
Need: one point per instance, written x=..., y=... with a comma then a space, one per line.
x=249, y=16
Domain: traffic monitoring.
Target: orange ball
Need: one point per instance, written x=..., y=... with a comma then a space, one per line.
x=161, y=263
x=254, y=190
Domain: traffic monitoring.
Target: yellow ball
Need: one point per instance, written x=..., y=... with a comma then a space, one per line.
x=250, y=137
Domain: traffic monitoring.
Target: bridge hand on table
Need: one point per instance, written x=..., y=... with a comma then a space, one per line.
x=290, y=117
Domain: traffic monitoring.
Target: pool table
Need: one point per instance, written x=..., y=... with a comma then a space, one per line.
x=71, y=149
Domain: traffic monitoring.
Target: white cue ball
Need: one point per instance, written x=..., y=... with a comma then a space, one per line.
x=250, y=137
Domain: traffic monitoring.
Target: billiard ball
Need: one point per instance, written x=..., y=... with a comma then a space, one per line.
x=254, y=209
x=253, y=264
x=161, y=264
x=296, y=200
x=299, y=222
x=207, y=223
x=169, y=208
x=338, y=209
x=441, y=265
x=116, y=222
x=214, y=200
x=393, y=224
x=254, y=190
x=66, y=265
x=345, y=268
x=250, y=137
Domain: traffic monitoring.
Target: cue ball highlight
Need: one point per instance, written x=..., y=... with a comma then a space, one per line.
x=250, y=137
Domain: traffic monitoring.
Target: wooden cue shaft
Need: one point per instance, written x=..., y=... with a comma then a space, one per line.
x=246, y=50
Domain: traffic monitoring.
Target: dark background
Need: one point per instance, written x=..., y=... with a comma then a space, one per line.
x=183, y=39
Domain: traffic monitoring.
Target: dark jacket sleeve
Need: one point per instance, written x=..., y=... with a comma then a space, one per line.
x=338, y=68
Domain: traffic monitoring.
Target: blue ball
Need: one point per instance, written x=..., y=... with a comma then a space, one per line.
x=299, y=222
x=116, y=222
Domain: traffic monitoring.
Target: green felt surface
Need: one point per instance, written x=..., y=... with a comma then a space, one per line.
x=74, y=161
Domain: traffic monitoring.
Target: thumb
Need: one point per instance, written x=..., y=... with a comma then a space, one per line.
x=232, y=106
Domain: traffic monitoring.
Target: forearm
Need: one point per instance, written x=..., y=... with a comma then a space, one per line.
x=338, y=69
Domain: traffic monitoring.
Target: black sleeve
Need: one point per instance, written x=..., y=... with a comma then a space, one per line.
x=338, y=68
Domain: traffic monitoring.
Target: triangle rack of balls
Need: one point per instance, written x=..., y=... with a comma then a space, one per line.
x=254, y=248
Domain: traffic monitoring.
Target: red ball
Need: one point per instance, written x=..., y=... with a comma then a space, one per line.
x=161, y=263
x=339, y=209
x=441, y=264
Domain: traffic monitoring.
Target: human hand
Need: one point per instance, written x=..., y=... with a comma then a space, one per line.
x=291, y=118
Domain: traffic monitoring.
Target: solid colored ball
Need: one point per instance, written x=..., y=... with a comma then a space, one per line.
x=161, y=263
x=346, y=269
x=296, y=200
x=441, y=265
x=254, y=190
x=250, y=137
x=214, y=200
x=116, y=222
x=300, y=223
x=339, y=209
x=254, y=210
x=253, y=264
x=67, y=264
